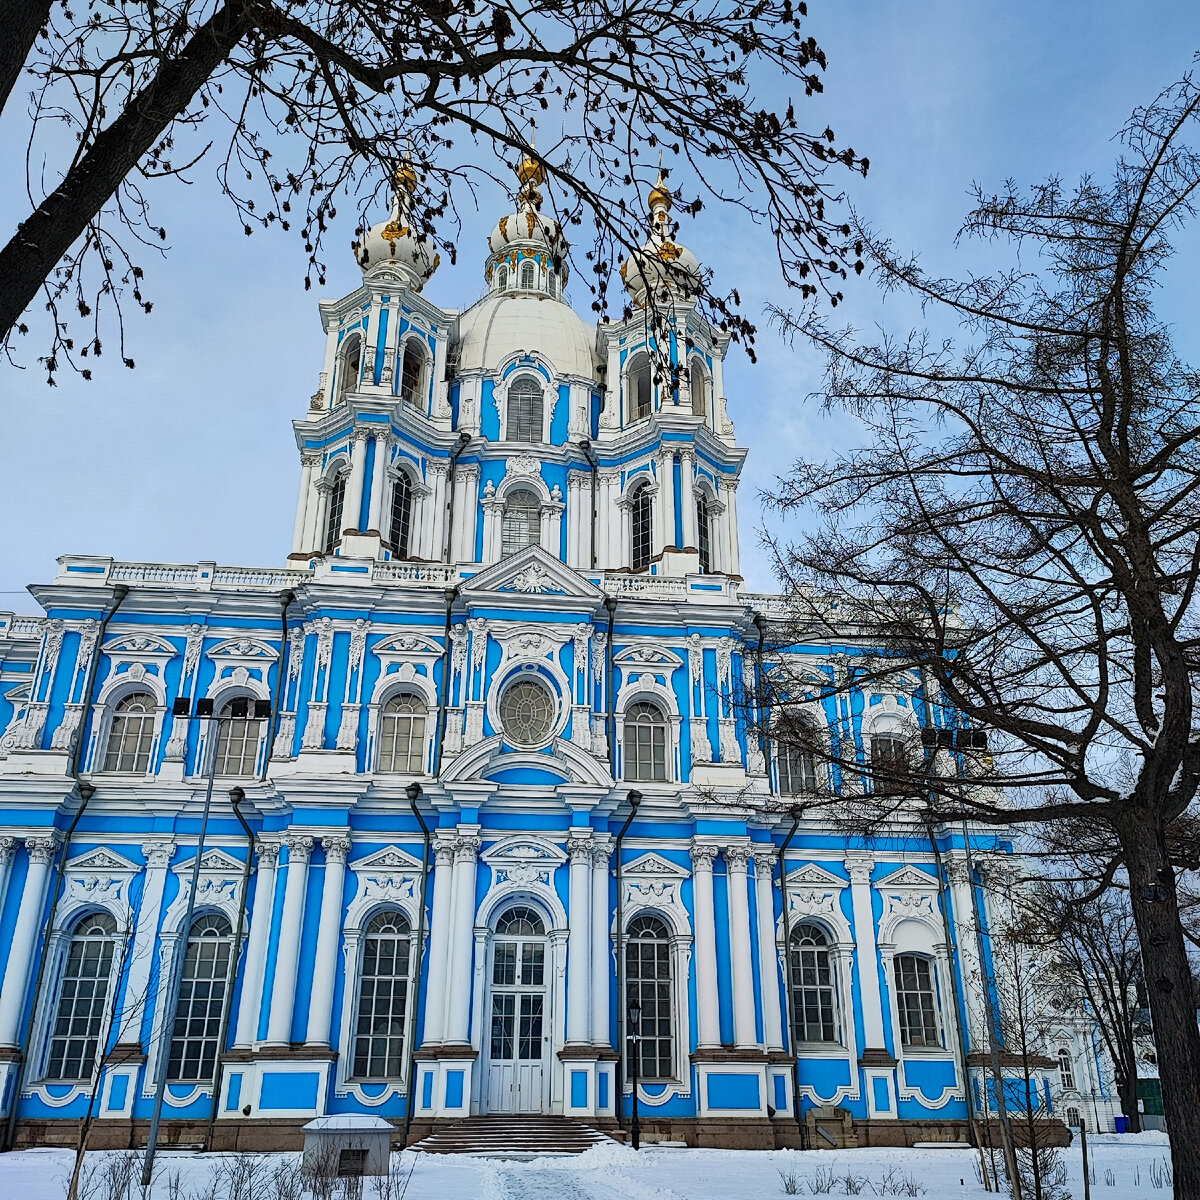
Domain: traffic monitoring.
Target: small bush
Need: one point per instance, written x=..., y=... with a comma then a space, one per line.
x=821, y=1182
x=791, y=1183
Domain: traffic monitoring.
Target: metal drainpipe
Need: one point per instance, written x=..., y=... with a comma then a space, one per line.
x=86, y=792
x=236, y=796
x=635, y=798
x=764, y=740
x=787, y=959
x=413, y=792
x=610, y=723
x=464, y=440
x=444, y=701
x=586, y=447
x=285, y=599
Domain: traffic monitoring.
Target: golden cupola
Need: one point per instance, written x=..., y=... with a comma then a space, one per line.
x=394, y=247
x=662, y=270
x=527, y=249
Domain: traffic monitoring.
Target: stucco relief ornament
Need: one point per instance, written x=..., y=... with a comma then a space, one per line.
x=314, y=727
x=358, y=642
x=582, y=636
x=458, y=653
x=284, y=736
x=535, y=578
x=523, y=464
x=88, y=632
x=191, y=650
x=478, y=627
x=64, y=735
x=523, y=875
x=324, y=641
x=695, y=658
x=347, y=736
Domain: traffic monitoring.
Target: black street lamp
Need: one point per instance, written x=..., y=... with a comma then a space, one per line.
x=635, y=1036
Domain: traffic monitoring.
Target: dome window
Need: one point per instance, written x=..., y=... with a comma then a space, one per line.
x=525, y=410
x=521, y=522
x=502, y=279
x=699, y=384
x=528, y=275
x=552, y=283
x=637, y=384
x=412, y=368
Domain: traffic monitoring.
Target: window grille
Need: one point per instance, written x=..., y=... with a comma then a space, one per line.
x=82, y=996
x=1066, y=1073
x=382, y=998
x=131, y=734
x=402, y=736
x=642, y=522
x=411, y=369
x=527, y=712
x=194, y=1044
x=704, y=532
x=333, y=523
x=528, y=275
x=648, y=984
x=502, y=279
x=521, y=522
x=797, y=771
x=401, y=530
x=525, y=410
x=237, y=743
x=814, y=999
x=645, y=743
x=916, y=1001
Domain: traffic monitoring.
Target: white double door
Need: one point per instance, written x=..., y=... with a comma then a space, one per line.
x=519, y=1028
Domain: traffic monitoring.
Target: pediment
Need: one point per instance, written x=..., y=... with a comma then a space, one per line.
x=532, y=572
x=406, y=644
x=138, y=644
x=810, y=875
x=102, y=859
x=390, y=858
x=524, y=850
x=647, y=654
x=214, y=862
x=654, y=865
x=908, y=877
x=243, y=648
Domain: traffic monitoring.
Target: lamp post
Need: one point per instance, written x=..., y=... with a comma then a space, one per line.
x=635, y=1036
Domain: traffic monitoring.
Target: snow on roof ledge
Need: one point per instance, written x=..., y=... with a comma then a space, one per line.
x=347, y=1122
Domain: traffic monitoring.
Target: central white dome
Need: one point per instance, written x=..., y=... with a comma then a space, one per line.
x=503, y=323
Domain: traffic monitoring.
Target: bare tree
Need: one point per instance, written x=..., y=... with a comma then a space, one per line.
x=1020, y=534
x=300, y=104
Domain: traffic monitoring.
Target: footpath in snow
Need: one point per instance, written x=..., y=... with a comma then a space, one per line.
x=1129, y=1167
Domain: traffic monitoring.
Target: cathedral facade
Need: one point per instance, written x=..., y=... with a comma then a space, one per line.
x=469, y=809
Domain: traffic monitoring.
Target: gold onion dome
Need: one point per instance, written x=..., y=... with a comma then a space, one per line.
x=662, y=269
x=527, y=229
x=393, y=246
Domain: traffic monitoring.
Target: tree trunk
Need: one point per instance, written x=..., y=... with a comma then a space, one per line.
x=1169, y=986
x=56, y=224
x=21, y=20
x=1129, y=1102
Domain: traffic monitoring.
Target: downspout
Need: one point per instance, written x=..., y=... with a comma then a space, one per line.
x=610, y=720
x=413, y=791
x=586, y=447
x=444, y=699
x=86, y=792
x=764, y=741
x=787, y=959
x=285, y=599
x=635, y=798
x=464, y=440
x=236, y=796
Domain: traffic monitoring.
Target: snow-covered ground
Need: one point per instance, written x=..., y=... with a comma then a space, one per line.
x=1123, y=1168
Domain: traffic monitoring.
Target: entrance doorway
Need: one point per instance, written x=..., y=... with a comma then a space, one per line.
x=518, y=1033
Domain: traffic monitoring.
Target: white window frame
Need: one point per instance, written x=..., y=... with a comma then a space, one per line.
x=396, y=693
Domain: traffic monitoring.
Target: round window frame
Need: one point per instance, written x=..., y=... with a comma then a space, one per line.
x=535, y=679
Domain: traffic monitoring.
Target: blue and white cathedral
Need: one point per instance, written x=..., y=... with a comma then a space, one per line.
x=484, y=777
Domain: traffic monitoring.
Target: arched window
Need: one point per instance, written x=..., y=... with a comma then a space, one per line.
x=349, y=367
x=131, y=734
x=237, y=743
x=637, y=384
x=814, y=995
x=521, y=522
x=916, y=1001
x=402, y=736
x=82, y=999
x=645, y=743
x=382, y=998
x=401, y=523
x=794, y=758
x=1066, y=1072
x=525, y=410
x=704, y=532
x=333, y=522
x=641, y=527
x=194, y=1044
x=552, y=283
x=891, y=769
x=528, y=275
x=1073, y=1118
x=699, y=382
x=648, y=985
x=502, y=279
x=520, y=922
x=412, y=368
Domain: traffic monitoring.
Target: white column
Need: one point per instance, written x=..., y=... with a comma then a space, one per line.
x=667, y=494
x=860, y=866
x=287, y=953
x=466, y=486
x=439, y=944
x=768, y=955
x=458, y=1031
x=733, y=564
x=609, y=521
x=708, y=1015
x=579, y=924
x=437, y=513
x=358, y=474
x=687, y=497
x=8, y=850
x=21, y=944
x=261, y=917
x=375, y=512
x=303, y=503
x=745, y=1032
x=311, y=503
x=137, y=1001
x=329, y=935
x=601, y=947
x=968, y=948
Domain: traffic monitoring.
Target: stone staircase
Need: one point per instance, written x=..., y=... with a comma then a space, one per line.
x=531, y=1134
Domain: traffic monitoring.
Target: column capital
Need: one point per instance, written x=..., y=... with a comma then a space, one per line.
x=579, y=847
x=310, y=458
x=443, y=852
x=268, y=853
x=860, y=865
x=764, y=862
x=299, y=846
x=601, y=856
x=41, y=849
x=466, y=847
x=336, y=848
x=8, y=847
x=702, y=857
x=158, y=854
x=737, y=857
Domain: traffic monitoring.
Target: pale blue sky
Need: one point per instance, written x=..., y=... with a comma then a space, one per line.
x=191, y=456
